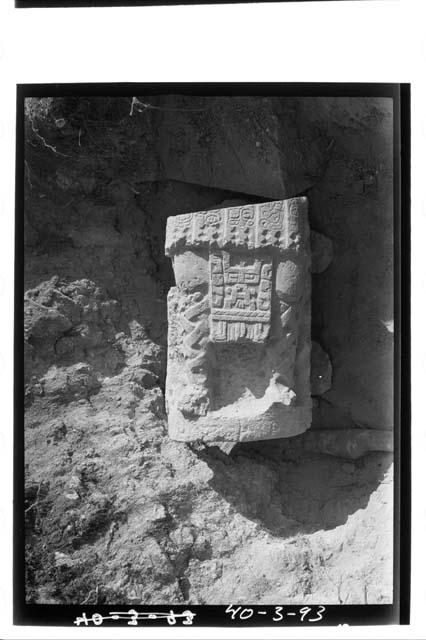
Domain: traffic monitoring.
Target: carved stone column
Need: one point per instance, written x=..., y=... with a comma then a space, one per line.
x=239, y=323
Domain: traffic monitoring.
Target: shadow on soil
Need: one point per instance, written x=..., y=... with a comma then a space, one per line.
x=301, y=495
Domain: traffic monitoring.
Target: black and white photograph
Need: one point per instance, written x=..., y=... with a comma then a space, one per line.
x=209, y=281
x=212, y=293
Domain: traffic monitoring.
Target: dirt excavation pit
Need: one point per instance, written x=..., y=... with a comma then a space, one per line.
x=115, y=510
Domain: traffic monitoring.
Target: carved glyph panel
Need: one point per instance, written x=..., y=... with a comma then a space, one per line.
x=278, y=225
x=240, y=298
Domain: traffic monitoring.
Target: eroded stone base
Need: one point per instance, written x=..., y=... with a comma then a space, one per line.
x=278, y=422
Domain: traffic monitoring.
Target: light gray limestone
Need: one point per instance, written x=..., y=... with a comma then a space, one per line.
x=239, y=323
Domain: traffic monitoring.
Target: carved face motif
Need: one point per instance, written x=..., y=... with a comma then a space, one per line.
x=212, y=218
x=240, y=295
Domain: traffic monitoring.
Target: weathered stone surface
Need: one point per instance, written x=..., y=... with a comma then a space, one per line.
x=247, y=144
x=321, y=252
x=321, y=370
x=239, y=347
x=353, y=300
x=225, y=447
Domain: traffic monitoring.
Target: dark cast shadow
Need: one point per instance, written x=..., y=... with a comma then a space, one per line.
x=292, y=493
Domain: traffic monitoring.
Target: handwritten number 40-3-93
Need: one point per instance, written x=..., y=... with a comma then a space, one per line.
x=245, y=613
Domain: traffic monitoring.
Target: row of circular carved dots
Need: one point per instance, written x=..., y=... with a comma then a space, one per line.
x=183, y=225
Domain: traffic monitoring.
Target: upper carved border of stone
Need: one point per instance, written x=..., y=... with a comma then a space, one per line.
x=280, y=225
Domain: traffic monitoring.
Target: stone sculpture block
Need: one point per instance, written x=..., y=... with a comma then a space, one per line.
x=239, y=323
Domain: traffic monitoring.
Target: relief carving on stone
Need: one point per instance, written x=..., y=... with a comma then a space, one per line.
x=239, y=323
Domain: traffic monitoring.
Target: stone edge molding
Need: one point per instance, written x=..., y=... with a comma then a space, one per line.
x=275, y=225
